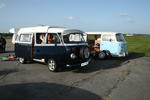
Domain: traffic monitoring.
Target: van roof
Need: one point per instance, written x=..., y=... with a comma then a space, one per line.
x=49, y=29
x=41, y=29
x=96, y=33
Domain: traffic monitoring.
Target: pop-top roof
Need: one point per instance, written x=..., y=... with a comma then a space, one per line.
x=41, y=29
x=49, y=29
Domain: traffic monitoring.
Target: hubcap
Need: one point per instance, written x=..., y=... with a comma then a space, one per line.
x=101, y=55
x=51, y=65
x=21, y=60
x=86, y=53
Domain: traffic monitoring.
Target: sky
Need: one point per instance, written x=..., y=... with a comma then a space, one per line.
x=127, y=16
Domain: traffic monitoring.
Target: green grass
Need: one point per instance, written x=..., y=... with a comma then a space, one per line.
x=139, y=45
x=6, y=36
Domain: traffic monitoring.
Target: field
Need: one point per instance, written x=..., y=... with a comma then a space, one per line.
x=6, y=36
x=139, y=45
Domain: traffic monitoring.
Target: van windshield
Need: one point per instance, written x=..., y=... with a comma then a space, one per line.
x=120, y=37
x=73, y=38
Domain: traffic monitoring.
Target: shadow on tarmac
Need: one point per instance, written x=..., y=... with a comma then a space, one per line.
x=44, y=91
x=108, y=63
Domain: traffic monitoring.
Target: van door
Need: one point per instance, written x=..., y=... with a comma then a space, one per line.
x=48, y=46
x=23, y=48
x=108, y=42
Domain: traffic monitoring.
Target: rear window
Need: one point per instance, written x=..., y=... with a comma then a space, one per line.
x=73, y=38
x=25, y=38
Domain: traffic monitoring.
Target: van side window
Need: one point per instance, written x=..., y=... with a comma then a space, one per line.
x=94, y=37
x=108, y=37
x=25, y=38
x=40, y=38
x=52, y=38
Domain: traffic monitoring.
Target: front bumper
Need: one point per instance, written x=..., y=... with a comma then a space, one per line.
x=123, y=54
x=79, y=64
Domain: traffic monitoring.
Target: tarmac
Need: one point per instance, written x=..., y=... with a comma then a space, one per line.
x=108, y=79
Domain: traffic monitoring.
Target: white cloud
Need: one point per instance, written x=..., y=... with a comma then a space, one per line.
x=71, y=17
x=2, y=5
x=124, y=14
x=127, y=17
x=130, y=20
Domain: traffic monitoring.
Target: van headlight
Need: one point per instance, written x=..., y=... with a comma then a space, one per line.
x=73, y=56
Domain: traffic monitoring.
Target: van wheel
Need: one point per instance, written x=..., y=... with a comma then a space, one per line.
x=22, y=60
x=101, y=55
x=84, y=53
x=52, y=66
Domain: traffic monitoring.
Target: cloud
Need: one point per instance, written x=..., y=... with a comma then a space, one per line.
x=71, y=17
x=124, y=14
x=130, y=20
x=127, y=17
x=2, y=5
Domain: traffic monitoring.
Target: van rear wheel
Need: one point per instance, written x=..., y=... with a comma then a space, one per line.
x=52, y=66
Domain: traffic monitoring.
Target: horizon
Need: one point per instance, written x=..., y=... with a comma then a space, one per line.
x=124, y=16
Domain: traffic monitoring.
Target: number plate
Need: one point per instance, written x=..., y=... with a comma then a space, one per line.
x=85, y=63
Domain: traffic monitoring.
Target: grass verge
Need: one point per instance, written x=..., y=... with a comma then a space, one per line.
x=139, y=45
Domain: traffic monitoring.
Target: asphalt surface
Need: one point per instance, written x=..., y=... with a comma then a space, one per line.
x=109, y=79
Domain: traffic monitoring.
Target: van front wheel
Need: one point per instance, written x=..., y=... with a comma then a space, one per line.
x=52, y=65
x=101, y=55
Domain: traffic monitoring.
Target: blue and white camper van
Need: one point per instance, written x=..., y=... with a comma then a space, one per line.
x=107, y=44
x=57, y=46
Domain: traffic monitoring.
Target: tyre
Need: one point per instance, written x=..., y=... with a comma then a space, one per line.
x=85, y=53
x=101, y=55
x=108, y=54
x=22, y=60
x=52, y=66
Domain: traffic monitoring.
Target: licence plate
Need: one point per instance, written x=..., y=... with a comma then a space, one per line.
x=85, y=63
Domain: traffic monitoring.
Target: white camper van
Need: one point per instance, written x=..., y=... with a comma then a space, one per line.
x=106, y=44
x=59, y=47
